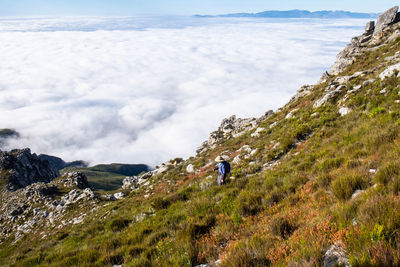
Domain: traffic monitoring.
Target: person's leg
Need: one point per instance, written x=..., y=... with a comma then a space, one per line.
x=220, y=179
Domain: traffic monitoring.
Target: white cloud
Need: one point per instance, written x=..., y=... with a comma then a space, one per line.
x=145, y=96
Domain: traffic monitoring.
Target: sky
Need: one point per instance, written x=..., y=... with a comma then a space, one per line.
x=145, y=93
x=178, y=7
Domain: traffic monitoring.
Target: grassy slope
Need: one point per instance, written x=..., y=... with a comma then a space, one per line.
x=289, y=214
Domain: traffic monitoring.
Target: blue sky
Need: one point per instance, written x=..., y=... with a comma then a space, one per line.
x=179, y=7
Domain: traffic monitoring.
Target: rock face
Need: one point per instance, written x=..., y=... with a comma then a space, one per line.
x=385, y=20
x=59, y=164
x=21, y=168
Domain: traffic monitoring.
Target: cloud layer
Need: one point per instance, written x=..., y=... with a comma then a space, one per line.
x=145, y=96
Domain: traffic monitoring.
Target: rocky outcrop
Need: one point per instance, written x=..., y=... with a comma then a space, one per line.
x=59, y=163
x=232, y=127
x=45, y=205
x=74, y=179
x=385, y=20
x=21, y=168
x=346, y=57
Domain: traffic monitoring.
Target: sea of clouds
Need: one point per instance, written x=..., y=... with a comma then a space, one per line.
x=148, y=90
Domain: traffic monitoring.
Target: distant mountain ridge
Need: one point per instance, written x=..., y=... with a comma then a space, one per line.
x=296, y=13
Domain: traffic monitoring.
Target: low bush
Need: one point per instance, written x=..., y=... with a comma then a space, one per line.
x=160, y=203
x=387, y=173
x=280, y=226
x=249, y=203
x=118, y=224
x=248, y=253
x=343, y=187
x=330, y=164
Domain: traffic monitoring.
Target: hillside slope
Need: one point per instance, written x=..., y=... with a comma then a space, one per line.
x=316, y=183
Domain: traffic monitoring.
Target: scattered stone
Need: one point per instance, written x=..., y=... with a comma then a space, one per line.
x=119, y=195
x=372, y=170
x=367, y=82
x=305, y=90
x=392, y=38
x=291, y=114
x=391, y=70
x=383, y=91
x=357, y=193
x=236, y=160
x=344, y=111
x=257, y=132
x=273, y=125
x=130, y=183
x=336, y=255
x=328, y=96
x=190, y=168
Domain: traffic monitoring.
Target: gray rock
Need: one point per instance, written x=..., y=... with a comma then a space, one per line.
x=328, y=96
x=119, y=195
x=77, y=179
x=231, y=127
x=370, y=27
x=384, y=20
x=190, y=168
x=130, y=183
x=344, y=111
x=24, y=169
x=266, y=115
x=336, y=255
x=388, y=72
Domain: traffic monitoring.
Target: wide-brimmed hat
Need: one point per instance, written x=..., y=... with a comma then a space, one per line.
x=219, y=159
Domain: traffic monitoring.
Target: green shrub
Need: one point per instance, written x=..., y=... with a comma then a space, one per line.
x=343, y=187
x=280, y=226
x=118, y=224
x=382, y=210
x=248, y=203
x=329, y=164
x=248, y=253
x=388, y=173
x=376, y=111
x=351, y=164
x=324, y=180
x=160, y=203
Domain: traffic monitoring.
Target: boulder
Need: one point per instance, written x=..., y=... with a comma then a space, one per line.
x=388, y=72
x=77, y=179
x=384, y=20
x=344, y=111
x=130, y=183
x=370, y=27
x=328, y=96
x=336, y=256
x=190, y=168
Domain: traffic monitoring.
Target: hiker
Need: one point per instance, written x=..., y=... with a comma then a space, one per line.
x=223, y=168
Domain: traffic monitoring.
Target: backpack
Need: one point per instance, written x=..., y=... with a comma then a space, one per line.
x=227, y=166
